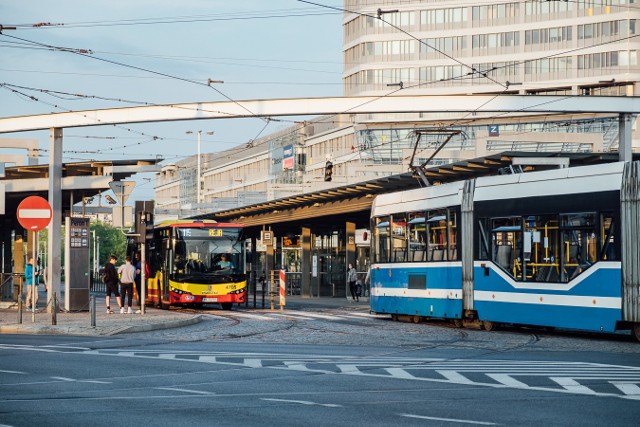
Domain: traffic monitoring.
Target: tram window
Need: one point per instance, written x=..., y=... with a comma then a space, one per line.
x=579, y=243
x=381, y=239
x=437, y=234
x=506, y=240
x=541, y=255
x=453, y=233
x=398, y=237
x=417, y=236
x=608, y=252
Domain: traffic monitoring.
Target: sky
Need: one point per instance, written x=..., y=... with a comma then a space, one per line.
x=161, y=52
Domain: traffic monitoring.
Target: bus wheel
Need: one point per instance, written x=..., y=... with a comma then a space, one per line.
x=636, y=331
x=226, y=305
x=488, y=326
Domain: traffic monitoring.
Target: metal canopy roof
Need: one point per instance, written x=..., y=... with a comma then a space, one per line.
x=95, y=176
x=353, y=201
x=88, y=168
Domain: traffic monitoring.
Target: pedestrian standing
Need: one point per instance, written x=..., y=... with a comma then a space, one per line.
x=352, y=278
x=138, y=279
x=110, y=278
x=31, y=280
x=127, y=273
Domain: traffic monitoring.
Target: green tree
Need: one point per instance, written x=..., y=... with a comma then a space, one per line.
x=112, y=242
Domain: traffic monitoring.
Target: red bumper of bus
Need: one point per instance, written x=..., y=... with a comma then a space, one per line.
x=206, y=299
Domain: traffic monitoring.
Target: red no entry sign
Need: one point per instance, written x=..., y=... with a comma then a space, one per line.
x=34, y=213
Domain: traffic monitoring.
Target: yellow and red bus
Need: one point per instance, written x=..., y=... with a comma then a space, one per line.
x=196, y=262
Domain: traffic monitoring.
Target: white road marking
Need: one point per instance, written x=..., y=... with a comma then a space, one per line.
x=507, y=380
x=628, y=388
x=305, y=315
x=12, y=372
x=253, y=363
x=451, y=420
x=572, y=385
x=302, y=402
x=80, y=381
x=455, y=377
x=400, y=373
x=626, y=379
x=184, y=390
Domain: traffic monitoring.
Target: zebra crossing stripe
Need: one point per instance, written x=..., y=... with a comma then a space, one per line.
x=400, y=373
x=455, y=377
x=507, y=380
x=630, y=389
x=572, y=385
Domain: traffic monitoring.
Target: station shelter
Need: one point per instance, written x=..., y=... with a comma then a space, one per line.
x=81, y=181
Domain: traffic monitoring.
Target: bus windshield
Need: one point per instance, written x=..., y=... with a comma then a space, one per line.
x=211, y=251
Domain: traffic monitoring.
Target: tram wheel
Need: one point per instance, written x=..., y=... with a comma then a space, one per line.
x=458, y=323
x=488, y=326
x=636, y=331
x=394, y=317
x=226, y=305
x=416, y=319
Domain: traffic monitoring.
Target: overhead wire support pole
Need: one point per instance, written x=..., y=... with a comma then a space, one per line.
x=420, y=170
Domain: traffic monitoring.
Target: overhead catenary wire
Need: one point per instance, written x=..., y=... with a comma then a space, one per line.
x=85, y=53
x=423, y=83
x=188, y=19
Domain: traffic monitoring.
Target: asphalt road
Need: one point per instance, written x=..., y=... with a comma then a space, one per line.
x=336, y=367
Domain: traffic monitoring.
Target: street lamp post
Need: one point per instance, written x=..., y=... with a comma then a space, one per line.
x=199, y=172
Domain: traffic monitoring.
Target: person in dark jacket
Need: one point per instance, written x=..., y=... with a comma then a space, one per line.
x=352, y=279
x=111, y=280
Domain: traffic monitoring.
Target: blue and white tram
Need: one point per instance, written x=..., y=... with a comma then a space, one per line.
x=541, y=248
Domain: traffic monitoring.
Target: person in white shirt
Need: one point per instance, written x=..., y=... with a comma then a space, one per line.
x=127, y=273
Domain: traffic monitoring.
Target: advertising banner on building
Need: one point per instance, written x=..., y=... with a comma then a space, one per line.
x=287, y=157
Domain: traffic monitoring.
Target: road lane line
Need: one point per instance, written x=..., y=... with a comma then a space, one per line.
x=12, y=372
x=184, y=390
x=302, y=402
x=451, y=420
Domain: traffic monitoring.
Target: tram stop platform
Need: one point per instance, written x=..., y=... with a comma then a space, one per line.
x=80, y=322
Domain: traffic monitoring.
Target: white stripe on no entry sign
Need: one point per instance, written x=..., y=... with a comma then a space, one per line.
x=34, y=213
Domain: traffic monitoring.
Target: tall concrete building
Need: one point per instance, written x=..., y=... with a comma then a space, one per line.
x=578, y=47
x=437, y=47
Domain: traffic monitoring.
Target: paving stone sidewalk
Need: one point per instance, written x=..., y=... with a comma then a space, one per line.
x=79, y=323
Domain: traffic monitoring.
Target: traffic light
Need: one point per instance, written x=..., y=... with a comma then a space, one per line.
x=144, y=226
x=328, y=171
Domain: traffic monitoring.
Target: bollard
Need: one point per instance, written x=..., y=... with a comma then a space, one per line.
x=54, y=309
x=92, y=308
x=272, y=294
x=20, y=304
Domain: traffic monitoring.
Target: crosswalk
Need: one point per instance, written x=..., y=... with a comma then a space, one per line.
x=582, y=378
x=551, y=376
